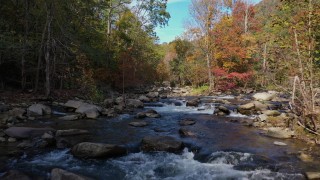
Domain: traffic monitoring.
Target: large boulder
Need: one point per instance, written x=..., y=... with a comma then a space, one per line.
x=60, y=174
x=71, y=132
x=161, y=143
x=280, y=133
x=264, y=96
x=73, y=104
x=91, y=111
x=97, y=150
x=134, y=103
x=193, y=102
x=260, y=106
x=26, y=132
x=38, y=110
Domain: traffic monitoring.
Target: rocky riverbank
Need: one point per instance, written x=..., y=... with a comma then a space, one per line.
x=21, y=131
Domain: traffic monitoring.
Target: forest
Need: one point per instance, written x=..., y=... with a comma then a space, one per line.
x=106, y=56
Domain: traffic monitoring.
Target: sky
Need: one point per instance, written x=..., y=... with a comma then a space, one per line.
x=179, y=11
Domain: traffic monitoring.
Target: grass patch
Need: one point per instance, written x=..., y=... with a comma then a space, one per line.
x=200, y=90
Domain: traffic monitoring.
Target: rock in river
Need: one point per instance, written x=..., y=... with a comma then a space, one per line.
x=15, y=175
x=187, y=122
x=149, y=113
x=186, y=133
x=264, y=96
x=71, y=132
x=194, y=102
x=60, y=174
x=277, y=132
x=26, y=132
x=161, y=143
x=138, y=123
x=97, y=150
x=38, y=110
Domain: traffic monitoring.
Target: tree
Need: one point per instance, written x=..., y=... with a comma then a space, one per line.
x=205, y=14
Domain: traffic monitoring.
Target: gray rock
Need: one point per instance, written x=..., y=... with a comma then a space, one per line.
x=280, y=133
x=91, y=111
x=26, y=132
x=38, y=110
x=221, y=111
x=313, y=175
x=194, y=102
x=108, y=103
x=264, y=96
x=263, y=117
x=71, y=132
x=144, y=98
x=161, y=143
x=108, y=112
x=153, y=95
x=187, y=122
x=4, y=117
x=119, y=101
x=11, y=139
x=73, y=104
x=70, y=117
x=138, y=123
x=134, y=103
x=97, y=150
x=60, y=174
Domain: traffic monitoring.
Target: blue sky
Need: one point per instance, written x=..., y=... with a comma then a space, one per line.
x=179, y=11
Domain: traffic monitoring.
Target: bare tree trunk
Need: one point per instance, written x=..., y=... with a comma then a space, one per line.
x=246, y=18
x=40, y=55
x=24, y=50
x=48, y=48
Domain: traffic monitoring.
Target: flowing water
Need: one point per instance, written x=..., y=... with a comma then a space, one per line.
x=220, y=149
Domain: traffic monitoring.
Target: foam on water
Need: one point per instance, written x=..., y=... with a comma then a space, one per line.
x=159, y=165
x=169, y=108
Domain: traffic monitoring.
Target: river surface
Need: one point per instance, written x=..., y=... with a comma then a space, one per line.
x=220, y=150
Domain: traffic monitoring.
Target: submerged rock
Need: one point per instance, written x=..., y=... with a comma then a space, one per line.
x=161, y=143
x=70, y=117
x=26, y=132
x=71, y=132
x=138, y=123
x=279, y=143
x=184, y=132
x=97, y=150
x=60, y=174
x=187, y=122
